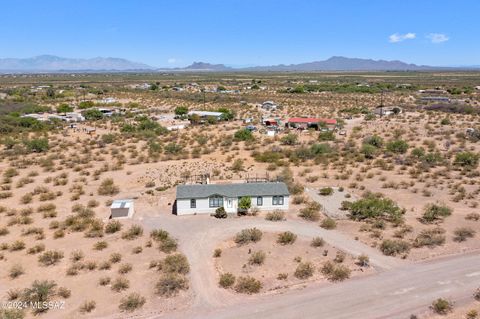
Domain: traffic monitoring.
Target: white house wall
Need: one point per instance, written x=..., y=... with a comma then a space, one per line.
x=202, y=205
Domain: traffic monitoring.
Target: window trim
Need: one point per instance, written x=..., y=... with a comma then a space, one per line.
x=215, y=201
x=259, y=200
x=278, y=200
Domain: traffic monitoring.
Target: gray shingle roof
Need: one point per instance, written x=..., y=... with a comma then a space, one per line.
x=231, y=190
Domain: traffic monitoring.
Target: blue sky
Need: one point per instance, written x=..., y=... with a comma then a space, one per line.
x=247, y=32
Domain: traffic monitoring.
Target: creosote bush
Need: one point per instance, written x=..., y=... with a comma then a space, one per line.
x=286, y=238
x=248, y=285
x=132, y=302
x=226, y=280
x=249, y=235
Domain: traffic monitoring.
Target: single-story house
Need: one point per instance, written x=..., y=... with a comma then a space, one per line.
x=435, y=99
x=206, y=114
x=122, y=208
x=269, y=105
x=206, y=198
x=387, y=110
x=310, y=122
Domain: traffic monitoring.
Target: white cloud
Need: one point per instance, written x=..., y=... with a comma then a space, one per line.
x=172, y=60
x=397, y=37
x=438, y=37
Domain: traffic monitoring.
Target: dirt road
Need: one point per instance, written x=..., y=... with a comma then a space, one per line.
x=390, y=294
x=198, y=236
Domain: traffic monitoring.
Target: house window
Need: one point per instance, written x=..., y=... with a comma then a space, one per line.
x=277, y=200
x=259, y=201
x=216, y=201
x=193, y=203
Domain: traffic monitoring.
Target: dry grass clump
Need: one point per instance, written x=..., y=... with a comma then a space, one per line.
x=248, y=285
x=249, y=235
x=132, y=302
x=226, y=280
x=133, y=232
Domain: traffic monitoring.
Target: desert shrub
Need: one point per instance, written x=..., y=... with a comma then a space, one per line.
x=397, y=146
x=108, y=187
x=248, y=285
x=120, y=284
x=317, y=242
x=50, y=257
x=304, y=270
x=177, y=263
x=340, y=257
x=435, y=212
x=375, y=207
x=467, y=159
x=335, y=272
x=257, y=258
x=326, y=136
x=4, y=231
x=226, y=280
x=328, y=223
x=16, y=271
x=311, y=212
x=115, y=258
x=220, y=213
x=12, y=313
x=286, y=238
x=133, y=232
x=100, y=245
x=243, y=135
x=159, y=235
x=132, y=302
x=248, y=235
x=430, y=237
x=88, y=306
x=392, y=247
x=103, y=281
x=463, y=233
x=38, y=293
x=276, y=215
x=473, y=216
x=374, y=140
x=170, y=284
x=37, y=145
x=36, y=249
x=113, y=226
x=125, y=268
x=168, y=245
x=363, y=260
x=217, y=253
x=442, y=306
x=476, y=294
x=64, y=292
x=325, y=191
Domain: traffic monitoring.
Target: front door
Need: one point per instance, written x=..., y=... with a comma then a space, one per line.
x=230, y=205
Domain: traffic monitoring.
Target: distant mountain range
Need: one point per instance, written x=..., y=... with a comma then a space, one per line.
x=50, y=63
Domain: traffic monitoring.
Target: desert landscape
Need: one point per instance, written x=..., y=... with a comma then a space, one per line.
x=392, y=182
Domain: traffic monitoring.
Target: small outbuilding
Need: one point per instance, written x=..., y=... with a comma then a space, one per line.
x=122, y=208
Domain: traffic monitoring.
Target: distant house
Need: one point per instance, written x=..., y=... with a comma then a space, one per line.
x=271, y=121
x=206, y=198
x=310, y=122
x=38, y=117
x=122, y=208
x=206, y=114
x=269, y=105
x=435, y=99
x=387, y=110
x=477, y=88
x=75, y=117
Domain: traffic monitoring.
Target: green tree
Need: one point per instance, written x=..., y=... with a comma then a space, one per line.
x=245, y=203
x=466, y=159
x=92, y=114
x=243, y=135
x=397, y=146
x=181, y=110
x=64, y=108
x=37, y=145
